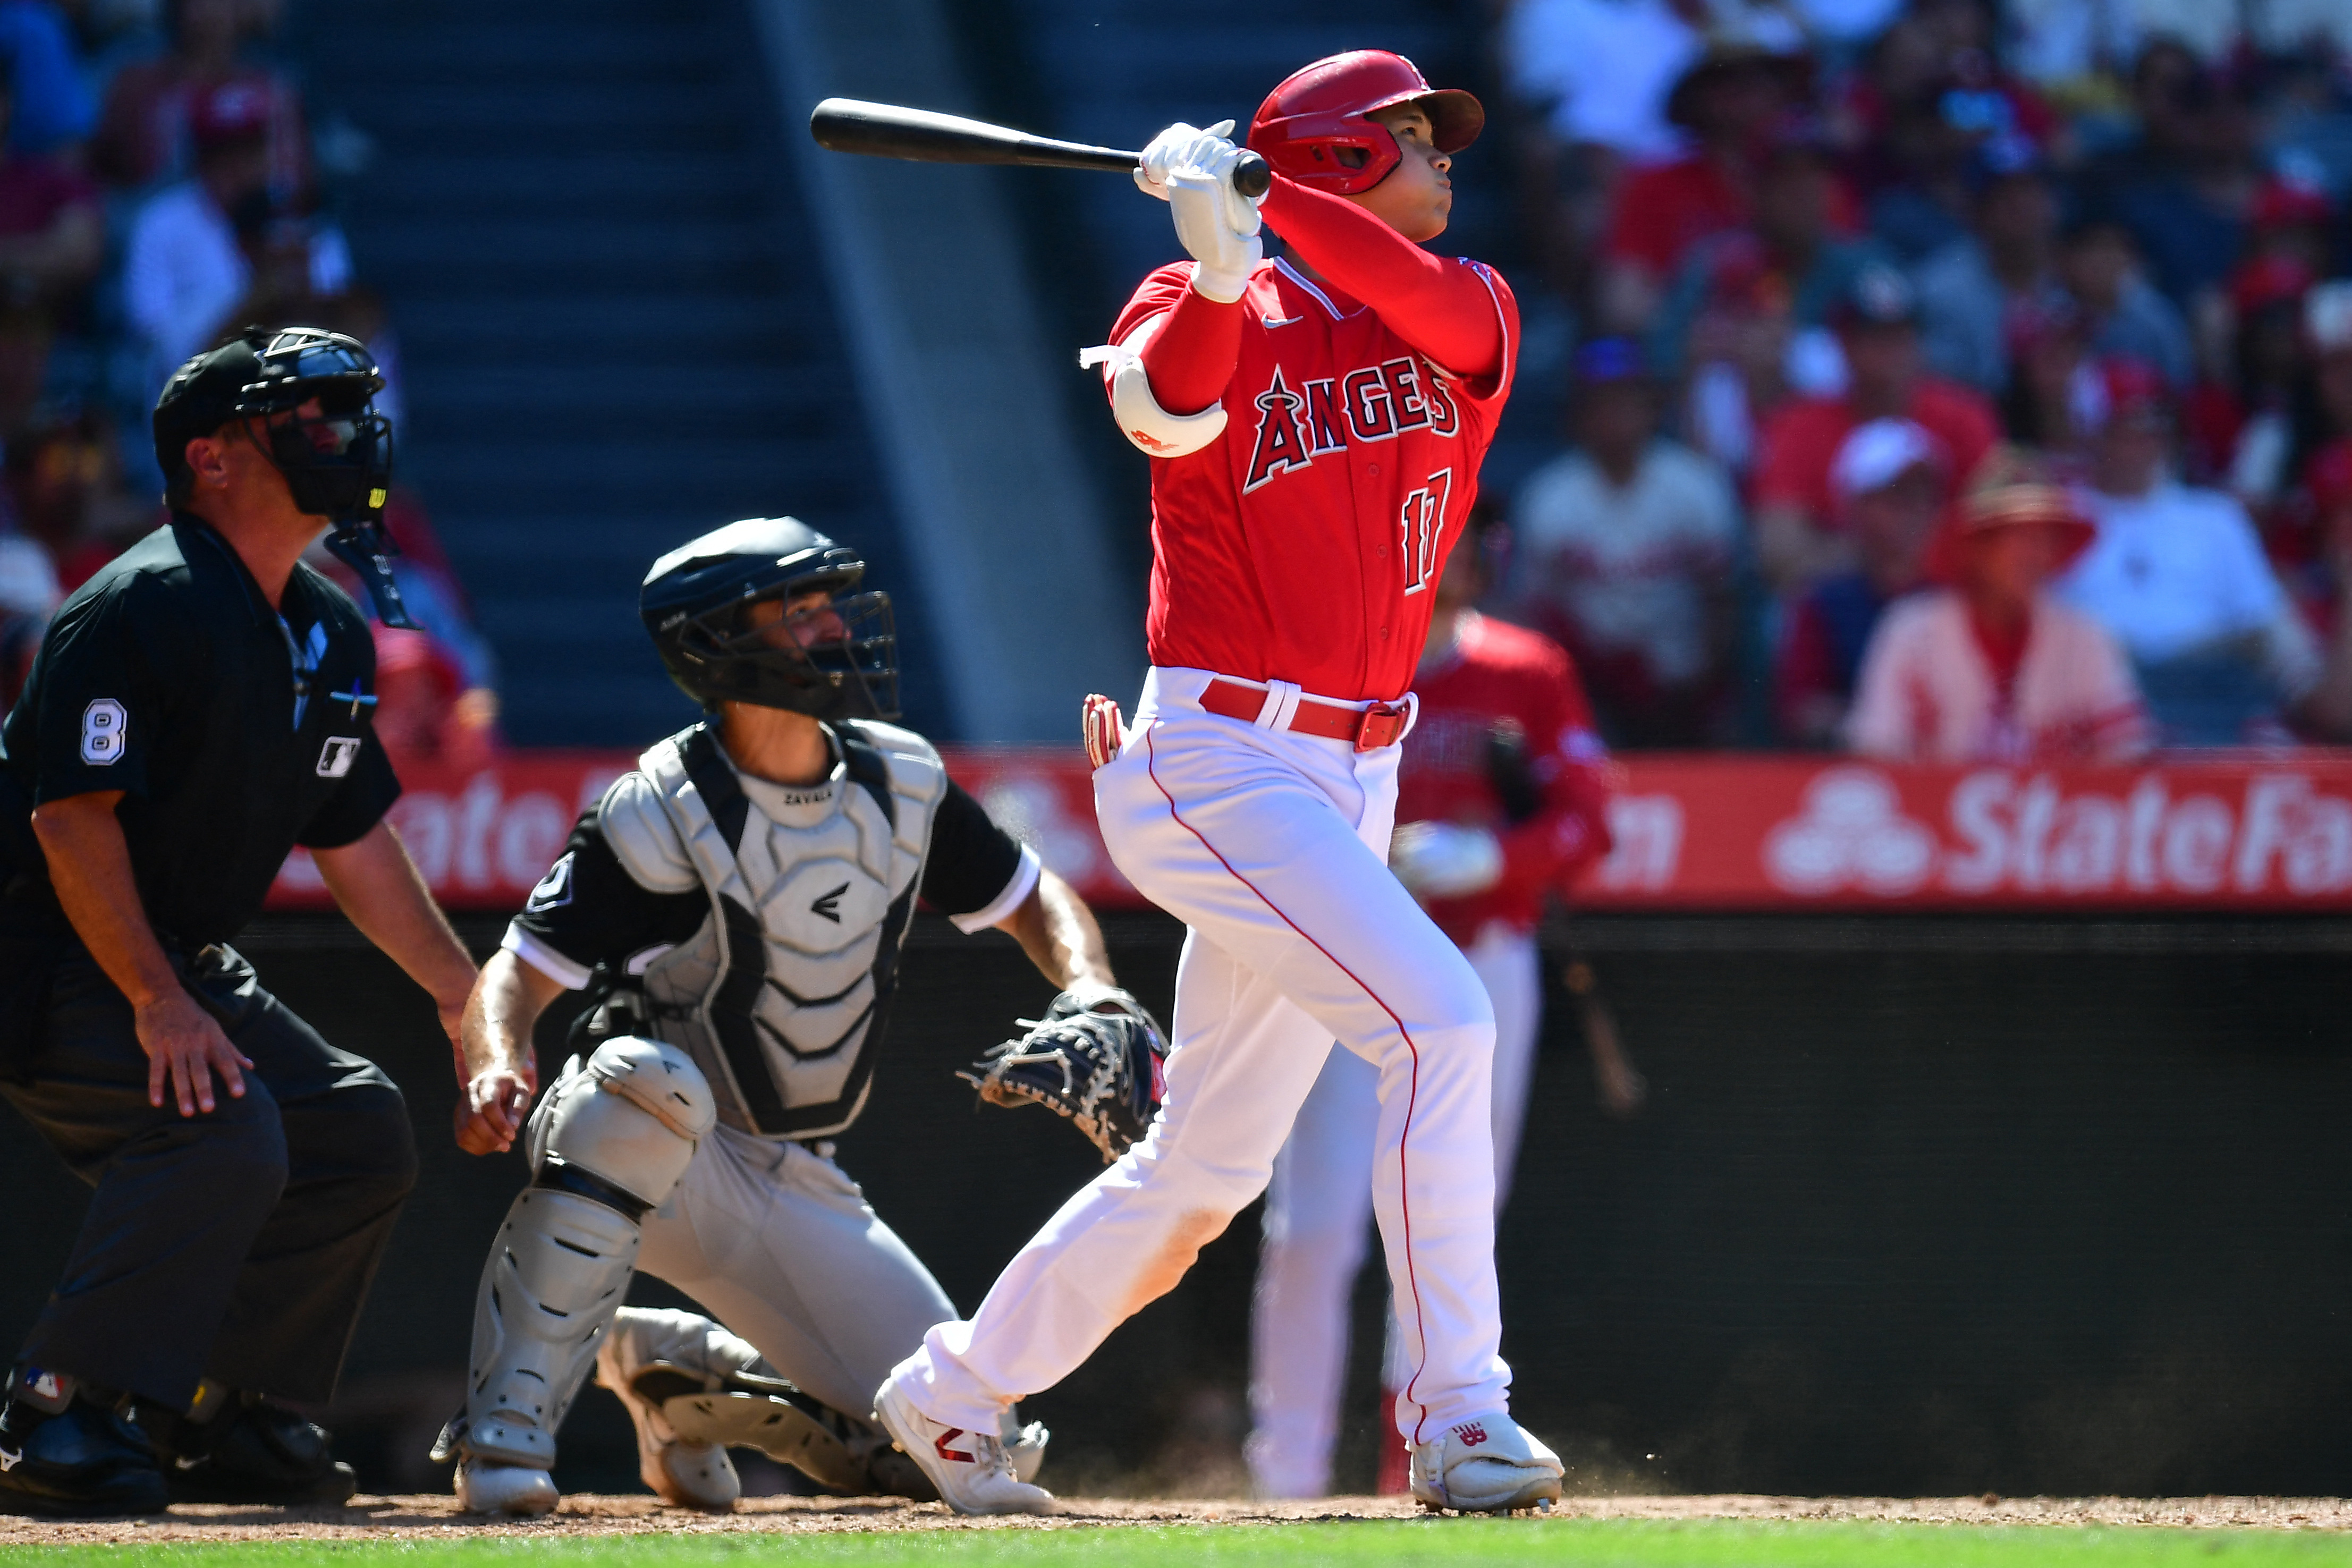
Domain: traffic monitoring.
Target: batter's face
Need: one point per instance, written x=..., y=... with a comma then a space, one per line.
x=1416, y=197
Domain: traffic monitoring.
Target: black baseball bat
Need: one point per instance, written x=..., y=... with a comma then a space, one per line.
x=921, y=136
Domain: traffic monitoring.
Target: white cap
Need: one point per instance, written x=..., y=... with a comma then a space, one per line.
x=1881, y=451
x=2327, y=316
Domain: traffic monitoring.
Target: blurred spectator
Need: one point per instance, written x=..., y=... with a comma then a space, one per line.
x=1740, y=308
x=1797, y=540
x=425, y=709
x=2326, y=712
x=53, y=106
x=1627, y=545
x=211, y=248
x=28, y=593
x=1921, y=117
x=2048, y=355
x=2185, y=185
x=435, y=599
x=63, y=479
x=2122, y=312
x=2178, y=576
x=1980, y=297
x=1601, y=70
x=1991, y=668
x=147, y=131
x=1727, y=100
x=2241, y=431
x=52, y=241
x=1891, y=481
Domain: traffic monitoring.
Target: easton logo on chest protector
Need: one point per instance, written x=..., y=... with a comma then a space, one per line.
x=783, y=991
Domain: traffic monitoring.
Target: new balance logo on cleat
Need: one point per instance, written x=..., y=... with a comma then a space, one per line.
x=1472, y=1434
x=947, y=1453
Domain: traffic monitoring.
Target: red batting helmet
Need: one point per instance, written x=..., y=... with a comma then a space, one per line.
x=1307, y=125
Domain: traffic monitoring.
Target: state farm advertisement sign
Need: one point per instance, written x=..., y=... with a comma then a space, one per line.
x=1781, y=833
x=1695, y=832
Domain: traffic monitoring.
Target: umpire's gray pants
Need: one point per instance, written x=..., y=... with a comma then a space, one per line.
x=781, y=1247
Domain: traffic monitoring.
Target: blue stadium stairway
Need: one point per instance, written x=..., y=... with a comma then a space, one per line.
x=614, y=326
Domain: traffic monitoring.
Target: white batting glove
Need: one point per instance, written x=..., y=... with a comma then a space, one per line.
x=1217, y=223
x=1172, y=149
x=1444, y=860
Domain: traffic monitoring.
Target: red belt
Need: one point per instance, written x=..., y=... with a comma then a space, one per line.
x=1367, y=729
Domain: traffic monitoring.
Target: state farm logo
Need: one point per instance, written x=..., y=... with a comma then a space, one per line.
x=1849, y=833
x=2185, y=834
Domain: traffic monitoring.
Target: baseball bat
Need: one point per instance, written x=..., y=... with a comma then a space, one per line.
x=921, y=136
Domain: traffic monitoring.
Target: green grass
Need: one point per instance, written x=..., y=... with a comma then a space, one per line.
x=1601, y=1544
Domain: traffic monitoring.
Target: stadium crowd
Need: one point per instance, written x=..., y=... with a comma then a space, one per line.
x=160, y=186
x=1945, y=378
x=1950, y=379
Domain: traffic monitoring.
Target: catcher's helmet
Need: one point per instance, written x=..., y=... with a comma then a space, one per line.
x=1316, y=126
x=697, y=602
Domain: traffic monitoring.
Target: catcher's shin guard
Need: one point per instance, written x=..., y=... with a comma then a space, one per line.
x=606, y=1146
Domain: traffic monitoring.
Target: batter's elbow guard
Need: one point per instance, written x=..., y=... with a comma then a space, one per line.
x=1155, y=432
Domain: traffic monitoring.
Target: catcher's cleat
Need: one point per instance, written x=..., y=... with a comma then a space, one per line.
x=748, y=1412
x=973, y=1470
x=485, y=1486
x=1096, y=1058
x=1489, y=1464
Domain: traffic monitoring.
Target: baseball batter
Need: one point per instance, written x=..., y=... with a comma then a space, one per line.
x=1316, y=426
x=1502, y=799
x=737, y=906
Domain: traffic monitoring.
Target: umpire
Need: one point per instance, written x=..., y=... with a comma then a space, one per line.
x=198, y=708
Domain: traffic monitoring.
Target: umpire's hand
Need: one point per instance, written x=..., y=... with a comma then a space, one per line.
x=185, y=1043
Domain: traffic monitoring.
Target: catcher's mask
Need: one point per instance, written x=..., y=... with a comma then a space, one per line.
x=735, y=618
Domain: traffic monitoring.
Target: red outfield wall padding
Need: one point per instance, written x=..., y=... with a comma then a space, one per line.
x=1694, y=833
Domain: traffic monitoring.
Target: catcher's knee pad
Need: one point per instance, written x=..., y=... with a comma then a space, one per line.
x=608, y=1144
x=629, y=1117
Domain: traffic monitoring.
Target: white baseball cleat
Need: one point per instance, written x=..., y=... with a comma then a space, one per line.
x=485, y=1486
x=1487, y=1464
x=973, y=1470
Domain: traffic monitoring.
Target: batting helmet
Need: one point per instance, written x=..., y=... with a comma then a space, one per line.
x=697, y=602
x=1316, y=128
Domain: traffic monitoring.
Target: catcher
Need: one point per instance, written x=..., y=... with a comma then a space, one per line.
x=736, y=907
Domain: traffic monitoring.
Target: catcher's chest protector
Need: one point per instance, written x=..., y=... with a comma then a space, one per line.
x=781, y=995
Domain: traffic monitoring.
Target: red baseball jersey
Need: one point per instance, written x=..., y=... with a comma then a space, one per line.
x=1302, y=544
x=1505, y=677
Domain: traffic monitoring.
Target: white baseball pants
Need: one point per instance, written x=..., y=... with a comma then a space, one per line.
x=778, y=1244
x=1271, y=846
x=1316, y=1209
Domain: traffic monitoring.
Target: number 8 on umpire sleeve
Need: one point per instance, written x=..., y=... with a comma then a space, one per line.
x=103, y=725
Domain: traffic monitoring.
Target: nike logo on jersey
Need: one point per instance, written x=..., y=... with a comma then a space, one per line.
x=1283, y=320
x=829, y=905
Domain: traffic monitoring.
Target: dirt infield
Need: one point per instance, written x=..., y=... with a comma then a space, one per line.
x=393, y=1518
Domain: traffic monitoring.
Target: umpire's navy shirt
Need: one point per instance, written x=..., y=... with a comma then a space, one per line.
x=169, y=677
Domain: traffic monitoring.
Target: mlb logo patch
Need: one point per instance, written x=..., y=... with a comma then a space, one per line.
x=335, y=757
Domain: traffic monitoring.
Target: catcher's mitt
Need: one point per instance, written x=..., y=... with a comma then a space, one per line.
x=1099, y=1069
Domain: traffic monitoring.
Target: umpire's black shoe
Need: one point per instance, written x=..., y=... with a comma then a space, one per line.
x=82, y=1461
x=256, y=1452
